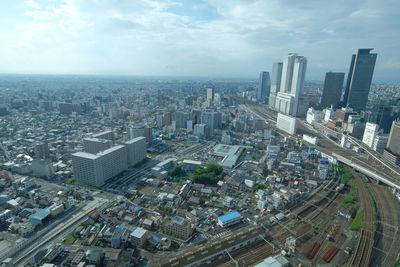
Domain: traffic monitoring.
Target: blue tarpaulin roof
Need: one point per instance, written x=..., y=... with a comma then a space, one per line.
x=229, y=216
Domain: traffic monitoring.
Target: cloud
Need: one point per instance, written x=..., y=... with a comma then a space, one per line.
x=33, y=4
x=209, y=37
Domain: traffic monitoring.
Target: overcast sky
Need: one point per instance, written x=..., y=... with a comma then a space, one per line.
x=229, y=38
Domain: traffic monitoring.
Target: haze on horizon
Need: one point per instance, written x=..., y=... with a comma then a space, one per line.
x=236, y=38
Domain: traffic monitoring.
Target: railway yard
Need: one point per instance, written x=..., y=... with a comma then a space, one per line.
x=324, y=237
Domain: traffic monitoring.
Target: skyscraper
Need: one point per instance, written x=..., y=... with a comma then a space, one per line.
x=332, y=89
x=292, y=81
x=264, y=86
x=42, y=150
x=275, y=83
x=210, y=96
x=392, y=151
x=359, y=79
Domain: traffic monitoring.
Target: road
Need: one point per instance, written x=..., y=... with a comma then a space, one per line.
x=57, y=233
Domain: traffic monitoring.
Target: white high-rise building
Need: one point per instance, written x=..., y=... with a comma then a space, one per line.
x=287, y=73
x=292, y=81
x=96, y=169
x=136, y=131
x=109, y=135
x=95, y=145
x=275, y=83
x=210, y=96
x=286, y=123
x=136, y=150
x=371, y=130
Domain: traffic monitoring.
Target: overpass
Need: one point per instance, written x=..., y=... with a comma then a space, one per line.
x=364, y=170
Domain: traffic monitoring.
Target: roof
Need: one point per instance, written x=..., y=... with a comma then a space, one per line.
x=134, y=140
x=230, y=154
x=40, y=214
x=229, y=216
x=189, y=161
x=34, y=221
x=277, y=261
x=139, y=232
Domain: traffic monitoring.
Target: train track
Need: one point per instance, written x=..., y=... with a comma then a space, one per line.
x=388, y=236
x=365, y=243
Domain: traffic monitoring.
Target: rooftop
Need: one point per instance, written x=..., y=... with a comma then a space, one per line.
x=139, y=232
x=229, y=216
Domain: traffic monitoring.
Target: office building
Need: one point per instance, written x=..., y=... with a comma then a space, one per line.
x=108, y=135
x=195, y=116
x=178, y=226
x=148, y=134
x=380, y=142
x=95, y=145
x=210, y=96
x=136, y=131
x=65, y=108
x=201, y=130
x=212, y=119
x=275, y=83
x=42, y=168
x=42, y=150
x=96, y=169
x=136, y=150
x=359, y=79
x=332, y=91
x=383, y=113
x=139, y=237
x=392, y=150
x=180, y=118
x=292, y=81
x=371, y=131
x=167, y=118
x=264, y=85
x=286, y=123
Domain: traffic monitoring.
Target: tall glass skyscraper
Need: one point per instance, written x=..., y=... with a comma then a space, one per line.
x=359, y=79
x=275, y=83
x=264, y=86
x=333, y=86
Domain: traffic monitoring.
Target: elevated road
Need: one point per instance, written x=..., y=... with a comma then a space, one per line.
x=372, y=166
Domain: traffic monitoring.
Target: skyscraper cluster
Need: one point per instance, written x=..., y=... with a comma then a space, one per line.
x=287, y=82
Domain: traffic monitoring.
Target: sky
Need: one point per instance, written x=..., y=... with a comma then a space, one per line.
x=212, y=38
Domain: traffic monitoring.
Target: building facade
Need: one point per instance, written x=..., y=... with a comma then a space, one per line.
x=359, y=79
x=292, y=82
x=96, y=169
x=136, y=150
x=275, y=83
x=264, y=85
x=332, y=91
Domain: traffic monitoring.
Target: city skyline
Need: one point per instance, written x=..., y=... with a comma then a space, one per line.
x=207, y=39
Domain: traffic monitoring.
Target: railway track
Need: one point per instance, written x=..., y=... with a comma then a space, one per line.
x=388, y=236
x=365, y=243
